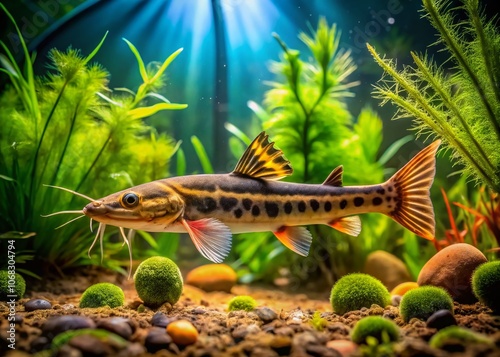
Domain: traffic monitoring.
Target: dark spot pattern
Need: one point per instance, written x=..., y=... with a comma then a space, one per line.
x=377, y=201
x=272, y=209
x=238, y=213
x=381, y=191
x=314, y=204
x=328, y=206
x=228, y=203
x=255, y=211
x=288, y=207
x=247, y=203
x=205, y=205
x=390, y=189
x=358, y=201
x=302, y=206
x=343, y=204
x=388, y=198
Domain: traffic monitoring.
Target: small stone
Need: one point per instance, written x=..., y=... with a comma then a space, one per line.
x=57, y=324
x=68, y=351
x=281, y=345
x=199, y=311
x=403, y=288
x=160, y=320
x=18, y=319
x=241, y=332
x=451, y=268
x=40, y=343
x=90, y=345
x=396, y=300
x=182, y=332
x=133, y=349
x=212, y=277
x=157, y=339
x=117, y=325
x=320, y=350
x=386, y=267
x=344, y=347
x=37, y=304
x=441, y=319
x=266, y=314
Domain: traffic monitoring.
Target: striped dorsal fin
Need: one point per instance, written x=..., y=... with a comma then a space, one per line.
x=262, y=160
x=335, y=177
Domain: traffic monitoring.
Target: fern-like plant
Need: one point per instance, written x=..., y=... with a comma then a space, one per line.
x=460, y=106
x=69, y=129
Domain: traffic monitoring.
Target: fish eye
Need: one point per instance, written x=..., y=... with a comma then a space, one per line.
x=130, y=200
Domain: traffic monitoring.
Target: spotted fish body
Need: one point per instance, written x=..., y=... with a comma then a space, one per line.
x=250, y=199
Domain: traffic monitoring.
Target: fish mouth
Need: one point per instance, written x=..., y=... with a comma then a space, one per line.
x=101, y=212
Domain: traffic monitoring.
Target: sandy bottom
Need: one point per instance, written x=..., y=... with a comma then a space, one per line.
x=237, y=333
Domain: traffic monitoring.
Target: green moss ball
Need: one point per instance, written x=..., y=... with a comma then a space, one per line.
x=422, y=302
x=486, y=284
x=457, y=333
x=102, y=294
x=384, y=330
x=354, y=291
x=158, y=280
x=243, y=302
x=18, y=285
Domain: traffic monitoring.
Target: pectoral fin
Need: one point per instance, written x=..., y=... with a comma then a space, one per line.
x=297, y=239
x=211, y=237
x=349, y=225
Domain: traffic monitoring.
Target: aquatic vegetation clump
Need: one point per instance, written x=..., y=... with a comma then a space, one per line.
x=461, y=104
x=5, y=287
x=486, y=284
x=319, y=323
x=423, y=302
x=102, y=294
x=158, y=280
x=354, y=291
x=457, y=334
x=380, y=328
x=243, y=302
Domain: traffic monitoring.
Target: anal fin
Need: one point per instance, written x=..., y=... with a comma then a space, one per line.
x=211, y=237
x=349, y=225
x=298, y=239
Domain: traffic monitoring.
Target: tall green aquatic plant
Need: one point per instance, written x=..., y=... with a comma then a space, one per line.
x=460, y=105
x=69, y=129
x=306, y=114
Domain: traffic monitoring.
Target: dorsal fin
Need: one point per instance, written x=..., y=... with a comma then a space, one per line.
x=335, y=177
x=262, y=160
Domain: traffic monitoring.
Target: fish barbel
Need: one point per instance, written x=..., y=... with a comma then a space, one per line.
x=210, y=208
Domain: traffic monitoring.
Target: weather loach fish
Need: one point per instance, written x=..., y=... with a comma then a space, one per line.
x=210, y=208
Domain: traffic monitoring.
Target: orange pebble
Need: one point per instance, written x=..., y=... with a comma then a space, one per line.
x=402, y=288
x=182, y=332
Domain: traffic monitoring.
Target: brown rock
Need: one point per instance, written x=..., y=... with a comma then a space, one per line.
x=451, y=268
x=387, y=268
x=344, y=347
x=212, y=277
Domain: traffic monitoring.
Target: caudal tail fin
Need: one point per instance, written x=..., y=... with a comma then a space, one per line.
x=412, y=183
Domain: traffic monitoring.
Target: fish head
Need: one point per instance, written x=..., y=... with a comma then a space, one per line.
x=137, y=207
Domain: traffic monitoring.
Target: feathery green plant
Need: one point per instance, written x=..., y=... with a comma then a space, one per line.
x=69, y=129
x=460, y=105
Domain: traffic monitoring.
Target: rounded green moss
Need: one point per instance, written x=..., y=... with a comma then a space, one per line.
x=486, y=284
x=457, y=333
x=158, y=280
x=9, y=282
x=354, y=291
x=242, y=302
x=422, y=302
x=102, y=294
x=384, y=330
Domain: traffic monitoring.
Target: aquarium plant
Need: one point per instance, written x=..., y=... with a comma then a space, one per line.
x=305, y=112
x=458, y=334
x=384, y=330
x=68, y=128
x=459, y=100
x=317, y=322
x=242, y=302
x=486, y=284
x=5, y=287
x=357, y=290
x=158, y=280
x=102, y=294
x=422, y=302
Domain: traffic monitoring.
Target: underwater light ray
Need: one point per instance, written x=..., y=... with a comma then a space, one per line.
x=72, y=191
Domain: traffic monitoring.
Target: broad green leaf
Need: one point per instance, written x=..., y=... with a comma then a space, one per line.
x=139, y=113
x=181, y=162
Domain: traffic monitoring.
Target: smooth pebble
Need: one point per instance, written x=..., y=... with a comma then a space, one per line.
x=37, y=304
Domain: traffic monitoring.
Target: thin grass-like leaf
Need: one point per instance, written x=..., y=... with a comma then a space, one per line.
x=202, y=155
x=140, y=62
